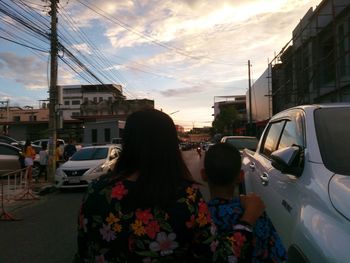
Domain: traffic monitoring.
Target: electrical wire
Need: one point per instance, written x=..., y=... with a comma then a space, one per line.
x=129, y=28
x=24, y=45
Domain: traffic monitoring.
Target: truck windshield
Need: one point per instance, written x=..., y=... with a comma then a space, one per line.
x=333, y=136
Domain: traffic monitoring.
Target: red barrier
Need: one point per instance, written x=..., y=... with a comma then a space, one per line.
x=27, y=194
x=5, y=216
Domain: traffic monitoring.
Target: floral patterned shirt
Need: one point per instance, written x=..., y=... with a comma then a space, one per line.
x=267, y=245
x=110, y=231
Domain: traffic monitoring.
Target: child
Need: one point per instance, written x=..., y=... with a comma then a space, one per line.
x=44, y=156
x=222, y=166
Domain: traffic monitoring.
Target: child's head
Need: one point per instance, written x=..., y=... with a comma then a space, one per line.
x=222, y=164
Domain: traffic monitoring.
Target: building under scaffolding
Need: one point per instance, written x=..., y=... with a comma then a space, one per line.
x=314, y=67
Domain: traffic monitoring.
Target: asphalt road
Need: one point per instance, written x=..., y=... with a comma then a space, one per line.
x=47, y=229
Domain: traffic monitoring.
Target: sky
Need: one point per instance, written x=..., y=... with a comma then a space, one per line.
x=182, y=54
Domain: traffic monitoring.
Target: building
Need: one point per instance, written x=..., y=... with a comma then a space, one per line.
x=239, y=103
x=315, y=66
x=23, y=122
x=90, y=114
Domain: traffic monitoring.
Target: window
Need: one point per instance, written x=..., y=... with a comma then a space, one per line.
x=100, y=99
x=75, y=102
x=109, y=99
x=94, y=135
x=75, y=113
x=16, y=118
x=66, y=102
x=32, y=118
x=107, y=135
x=272, y=137
x=333, y=136
x=293, y=132
x=95, y=99
x=4, y=150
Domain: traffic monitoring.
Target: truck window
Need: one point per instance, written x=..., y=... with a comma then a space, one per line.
x=293, y=132
x=333, y=136
x=272, y=137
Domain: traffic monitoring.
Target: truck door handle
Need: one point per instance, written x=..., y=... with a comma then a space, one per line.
x=264, y=179
x=252, y=166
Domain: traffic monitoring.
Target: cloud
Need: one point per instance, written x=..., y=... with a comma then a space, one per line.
x=83, y=48
x=26, y=70
x=182, y=92
x=30, y=71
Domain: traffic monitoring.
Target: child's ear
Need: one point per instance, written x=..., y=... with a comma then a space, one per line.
x=204, y=175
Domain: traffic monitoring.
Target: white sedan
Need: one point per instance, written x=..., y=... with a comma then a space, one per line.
x=86, y=165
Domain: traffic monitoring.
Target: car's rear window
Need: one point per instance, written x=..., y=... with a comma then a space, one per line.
x=333, y=136
x=90, y=154
x=241, y=143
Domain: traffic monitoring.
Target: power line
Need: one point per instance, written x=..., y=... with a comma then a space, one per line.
x=101, y=59
x=24, y=45
x=153, y=40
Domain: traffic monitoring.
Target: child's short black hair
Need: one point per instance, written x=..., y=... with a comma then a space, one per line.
x=222, y=164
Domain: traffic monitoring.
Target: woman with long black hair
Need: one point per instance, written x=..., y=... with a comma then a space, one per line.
x=150, y=209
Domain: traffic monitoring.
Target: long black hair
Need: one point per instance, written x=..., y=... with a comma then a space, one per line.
x=151, y=149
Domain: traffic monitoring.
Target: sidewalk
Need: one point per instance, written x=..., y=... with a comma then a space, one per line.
x=17, y=197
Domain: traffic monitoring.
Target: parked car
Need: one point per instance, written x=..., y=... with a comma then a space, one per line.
x=301, y=170
x=86, y=165
x=9, y=140
x=241, y=142
x=46, y=141
x=10, y=159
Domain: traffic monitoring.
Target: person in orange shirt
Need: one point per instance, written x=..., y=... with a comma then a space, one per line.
x=58, y=153
x=29, y=156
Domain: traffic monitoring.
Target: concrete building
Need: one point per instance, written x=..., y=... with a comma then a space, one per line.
x=315, y=66
x=239, y=103
x=90, y=114
x=23, y=122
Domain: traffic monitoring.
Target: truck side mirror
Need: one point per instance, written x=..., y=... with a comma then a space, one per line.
x=285, y=159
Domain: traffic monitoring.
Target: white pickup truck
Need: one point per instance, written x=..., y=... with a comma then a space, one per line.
x=301, y=169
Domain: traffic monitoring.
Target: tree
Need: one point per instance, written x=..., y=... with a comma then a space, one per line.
x=224, y=121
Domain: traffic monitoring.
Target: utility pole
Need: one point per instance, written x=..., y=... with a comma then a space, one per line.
x=250, y=101
x=53, y=92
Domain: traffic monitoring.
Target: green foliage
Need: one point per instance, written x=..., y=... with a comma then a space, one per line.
x=224, y=121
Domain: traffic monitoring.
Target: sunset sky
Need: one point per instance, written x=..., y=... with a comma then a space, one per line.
x=180, y=53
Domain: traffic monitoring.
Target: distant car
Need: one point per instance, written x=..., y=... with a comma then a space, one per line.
x=185, y=146
x=207, y=145
x=86, y=165
x=241, y=142
x=9, y=140
x=46, y=141
x=10, y=159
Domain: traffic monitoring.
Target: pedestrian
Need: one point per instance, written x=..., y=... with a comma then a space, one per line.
x=149, y=209
x=44, y=157
x=29, y=156
x=199, y=151
x=222, y=170
x=58, y=153
x=69, y=150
